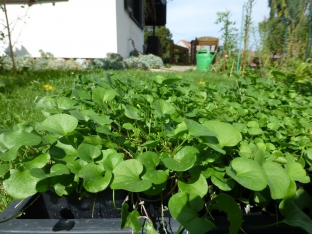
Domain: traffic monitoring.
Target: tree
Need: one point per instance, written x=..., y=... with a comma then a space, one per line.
x=229, y=34
x=288, y=26
x=162, y=33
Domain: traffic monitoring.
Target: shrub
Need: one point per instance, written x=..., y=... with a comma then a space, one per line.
x=114, y=56
x=151, y=61
x=134, y=63
x=107, y=64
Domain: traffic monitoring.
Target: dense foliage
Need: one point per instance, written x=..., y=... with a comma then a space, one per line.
x=206, y=148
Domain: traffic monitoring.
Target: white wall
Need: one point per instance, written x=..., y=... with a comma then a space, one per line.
x=74, y=29
x=127, y=29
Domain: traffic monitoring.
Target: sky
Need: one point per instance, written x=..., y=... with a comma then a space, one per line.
x=188, y=19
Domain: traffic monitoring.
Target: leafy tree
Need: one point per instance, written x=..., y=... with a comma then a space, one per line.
x=229, y=35
x=163, y=34
x=287, y=26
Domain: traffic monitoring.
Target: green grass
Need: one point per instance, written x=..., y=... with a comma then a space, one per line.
x=20, y=92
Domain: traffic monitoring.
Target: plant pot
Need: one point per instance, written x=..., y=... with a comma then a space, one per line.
x=49, y=213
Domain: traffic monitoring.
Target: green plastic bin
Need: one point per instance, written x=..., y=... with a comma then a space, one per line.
x=203, y=59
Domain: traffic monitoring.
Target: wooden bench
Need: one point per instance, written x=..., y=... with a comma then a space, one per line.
x=178, y=50
x=211, y=42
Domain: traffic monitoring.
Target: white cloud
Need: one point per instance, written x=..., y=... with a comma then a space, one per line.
x=188, y=19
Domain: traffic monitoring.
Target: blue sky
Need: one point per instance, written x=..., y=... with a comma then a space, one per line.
x=187, y=19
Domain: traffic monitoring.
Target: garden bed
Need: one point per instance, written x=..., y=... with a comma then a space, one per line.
x=209, y=151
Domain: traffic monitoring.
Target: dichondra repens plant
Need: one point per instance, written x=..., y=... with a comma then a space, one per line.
x=200, y=147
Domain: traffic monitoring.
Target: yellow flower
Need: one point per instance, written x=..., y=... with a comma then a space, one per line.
x=48, y=87
x=202, y=82
x=138, y=106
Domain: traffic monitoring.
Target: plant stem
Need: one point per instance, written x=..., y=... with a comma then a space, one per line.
x=9, y=34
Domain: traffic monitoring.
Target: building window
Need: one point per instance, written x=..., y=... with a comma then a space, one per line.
x=136, y=11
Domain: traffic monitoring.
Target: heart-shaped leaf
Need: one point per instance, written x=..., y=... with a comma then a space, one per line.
x=130, y=220
x=81, y=94
x=227, y=134
x=196, y=184
x=36, y=162
x=297, y=173
x=278, y=180
x=101, y=95
x=88, y=152
x=9, y=155
x=248, y=173
x=294, y=216
x=151, y=160
x=60, y=124
x=3, y=169
x=197, y=130
x=94, y=178
x=131, y=112
x=65, y=103
x=112, y=160
x=184, y=208
x=183, y=160
x=21, y=184
x=17, y=139
x=225, y=184
x=127, y=176
x=162, y=107
x=226, y=203
x=63, y=152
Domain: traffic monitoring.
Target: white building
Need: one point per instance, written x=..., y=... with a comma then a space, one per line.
x=75, y=28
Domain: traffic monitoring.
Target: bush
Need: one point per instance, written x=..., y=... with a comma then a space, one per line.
x=135, y=63
x=114, y=56
x=107, y=64
x=151, y=61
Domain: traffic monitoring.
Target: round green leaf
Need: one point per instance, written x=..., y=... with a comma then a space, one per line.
x=226, y=203
x=101, y=95
x=294, y=216
x=60, y=124
x=183, y=160
x=196, y=184
x=76, y=165
x=21, y=184
x=162, y=107
x=227, y=134
x=151, y=160
x=184, y=208
x=255, y=131
x=101, y=120
x=131, y=112
x=278, y=180
x=225, y=184
x=9, y=155
x=88, y=152
x=59, y=169
x=3, y=169
x=17, y=139
x=94, y=178
x=297, y=173
x=197, y=130
x=36, y=162
x=112, y=160
x=127, y=177
x=248, y=173
x=65, y=103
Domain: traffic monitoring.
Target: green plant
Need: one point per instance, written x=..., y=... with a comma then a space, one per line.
x=203, y=147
